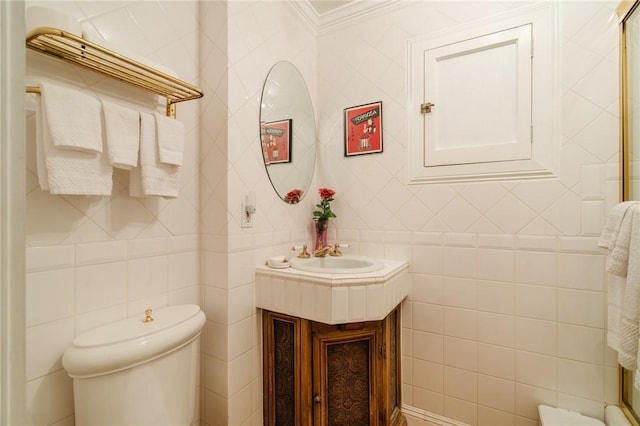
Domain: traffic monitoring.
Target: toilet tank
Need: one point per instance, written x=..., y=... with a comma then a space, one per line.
x=133, y=372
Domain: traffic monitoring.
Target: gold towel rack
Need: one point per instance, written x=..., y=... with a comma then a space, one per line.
x=71, y=48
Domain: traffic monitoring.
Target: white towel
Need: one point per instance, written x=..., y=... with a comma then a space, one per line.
x=622, y=238
x=75, y=119
x=616, y=237
x=156, y=178
x=122, y=131
x=613, y=222
x=615, y=301
x=135, y=182
x=170, y=139
x=33, y=104
x=74, y=172
x=629, y=327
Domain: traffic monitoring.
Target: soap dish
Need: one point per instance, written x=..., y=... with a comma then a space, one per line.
x=278, y=264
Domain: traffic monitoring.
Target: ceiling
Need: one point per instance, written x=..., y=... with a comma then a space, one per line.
x=323, y=14
x=324, y=6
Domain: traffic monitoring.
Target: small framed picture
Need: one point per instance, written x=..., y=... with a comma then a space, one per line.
x=275, y=138
x=363, y=129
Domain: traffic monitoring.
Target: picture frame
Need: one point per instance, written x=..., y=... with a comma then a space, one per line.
x=275, y=139
x=363, y=129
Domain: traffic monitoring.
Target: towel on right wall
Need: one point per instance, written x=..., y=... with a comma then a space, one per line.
x=621, y=238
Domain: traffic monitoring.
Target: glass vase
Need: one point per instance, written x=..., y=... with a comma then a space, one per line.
x=321, y=234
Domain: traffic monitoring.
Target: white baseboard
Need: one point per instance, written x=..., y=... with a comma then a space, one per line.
x=430, y=417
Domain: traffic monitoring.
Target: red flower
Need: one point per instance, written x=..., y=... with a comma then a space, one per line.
x=325, y=213
x=293, y=196
x=327, y=194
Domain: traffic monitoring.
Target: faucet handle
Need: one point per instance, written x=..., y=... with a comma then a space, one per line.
x=147, y=316
x=336, y=249
x=303, y=254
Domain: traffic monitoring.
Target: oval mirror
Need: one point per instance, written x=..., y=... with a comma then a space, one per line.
x=287, y=132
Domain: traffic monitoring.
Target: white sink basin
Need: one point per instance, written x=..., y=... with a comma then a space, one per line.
x=333, y=290
x=336, y=265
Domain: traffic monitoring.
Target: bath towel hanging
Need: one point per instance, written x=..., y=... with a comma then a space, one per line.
x=122, y=132
x=156, y=178
x=616, y=237
x=33, y=103
x=71, y=171
x=74, y=118
x=170, y=134
x=621, y=236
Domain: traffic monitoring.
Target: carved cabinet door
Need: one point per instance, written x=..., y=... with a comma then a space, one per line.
x=346, y=374
x=287, y=355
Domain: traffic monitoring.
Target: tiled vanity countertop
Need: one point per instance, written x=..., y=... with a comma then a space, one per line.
x=333, y=298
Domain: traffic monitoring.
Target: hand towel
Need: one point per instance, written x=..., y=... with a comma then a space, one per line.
x=74, y=172
x=75, y=119
x=122, y=131
x=613, y=222
x=135, y=182
x=618, y=257
x=616, y=237
x=33, y=103
x=170, y=139
x=615, y=301
x=629, y=326
x=157, y=178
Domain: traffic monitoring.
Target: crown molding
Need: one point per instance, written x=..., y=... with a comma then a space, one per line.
x=341, y=15
x=307, y=12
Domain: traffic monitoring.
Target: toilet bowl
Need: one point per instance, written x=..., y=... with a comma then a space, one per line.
x=138, y=371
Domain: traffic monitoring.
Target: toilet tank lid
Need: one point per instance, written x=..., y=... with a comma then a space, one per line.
x=131, y=341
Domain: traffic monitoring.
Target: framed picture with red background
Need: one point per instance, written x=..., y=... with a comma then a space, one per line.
x=276, y=141
x=363, y=129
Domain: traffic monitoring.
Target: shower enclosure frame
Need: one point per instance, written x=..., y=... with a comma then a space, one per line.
x=627, y=9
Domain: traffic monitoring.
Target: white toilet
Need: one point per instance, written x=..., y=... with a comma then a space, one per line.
x=551, y=416
x=138, y=371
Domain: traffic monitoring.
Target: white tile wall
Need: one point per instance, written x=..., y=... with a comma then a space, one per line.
x=508, y=290
x=488, y=263
x=239, y=43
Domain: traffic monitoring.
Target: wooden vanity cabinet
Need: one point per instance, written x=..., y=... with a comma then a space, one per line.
x=331, y=375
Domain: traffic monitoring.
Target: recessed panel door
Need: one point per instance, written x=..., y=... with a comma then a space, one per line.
x=479, y=94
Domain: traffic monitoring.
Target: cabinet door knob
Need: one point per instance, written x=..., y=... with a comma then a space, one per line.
x=317, y=399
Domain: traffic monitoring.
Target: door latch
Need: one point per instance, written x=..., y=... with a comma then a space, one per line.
x=426, y=107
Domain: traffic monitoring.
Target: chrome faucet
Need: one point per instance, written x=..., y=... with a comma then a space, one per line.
x=322, y=252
